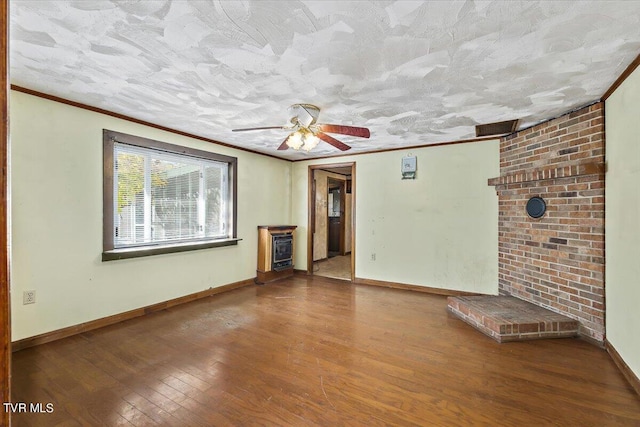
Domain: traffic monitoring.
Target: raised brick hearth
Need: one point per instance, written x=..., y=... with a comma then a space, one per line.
x=505, y=318
x=556, y=261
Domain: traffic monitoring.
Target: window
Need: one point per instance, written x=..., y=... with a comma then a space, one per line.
x=161, y=198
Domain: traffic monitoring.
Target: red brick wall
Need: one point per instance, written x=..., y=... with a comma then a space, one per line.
x=556, y=261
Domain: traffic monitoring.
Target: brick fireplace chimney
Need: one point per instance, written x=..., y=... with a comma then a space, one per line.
x=555, y=261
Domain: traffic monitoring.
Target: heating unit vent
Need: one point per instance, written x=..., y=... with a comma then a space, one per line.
x=498, y=128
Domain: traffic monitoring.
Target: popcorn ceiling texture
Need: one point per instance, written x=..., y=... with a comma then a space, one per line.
x=413, y=72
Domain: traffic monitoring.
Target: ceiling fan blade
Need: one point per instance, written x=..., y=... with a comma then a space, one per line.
x=261, y=128
x=284, y=145
x=345, y=130
x=331, y=140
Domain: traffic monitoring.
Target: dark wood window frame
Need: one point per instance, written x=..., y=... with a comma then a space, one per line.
x=109, y=251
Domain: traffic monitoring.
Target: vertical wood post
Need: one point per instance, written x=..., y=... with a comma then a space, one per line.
x=5, y=316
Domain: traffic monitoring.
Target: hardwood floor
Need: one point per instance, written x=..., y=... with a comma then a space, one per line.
x=314, y=351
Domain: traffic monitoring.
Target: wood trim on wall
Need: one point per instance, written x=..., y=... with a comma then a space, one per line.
x=403, y=148
x=631, y=377
x=311, y=217
x=343, y=211
x=5, y=300
x=213, y=141
x=109, y=250
x=134, y=120
x=626, y=73
x=352, y=250
x=121, y=317
x=415, y=288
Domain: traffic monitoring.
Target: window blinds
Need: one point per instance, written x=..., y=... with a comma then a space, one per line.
x=162, y=197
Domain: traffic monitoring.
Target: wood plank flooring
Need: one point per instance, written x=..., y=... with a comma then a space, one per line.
x=316, y=351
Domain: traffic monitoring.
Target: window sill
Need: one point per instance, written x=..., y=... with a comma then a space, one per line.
x=141, y=251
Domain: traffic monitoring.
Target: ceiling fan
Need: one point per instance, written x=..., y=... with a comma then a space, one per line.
x=306, y=133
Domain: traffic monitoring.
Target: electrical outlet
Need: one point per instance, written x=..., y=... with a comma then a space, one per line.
x=28, y=297
x=373, y=257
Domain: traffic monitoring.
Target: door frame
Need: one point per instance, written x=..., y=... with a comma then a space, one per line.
x=311, y=212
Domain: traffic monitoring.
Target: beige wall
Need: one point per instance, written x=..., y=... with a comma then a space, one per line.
x=622, y=220
x=57, y=222
x=439, y=230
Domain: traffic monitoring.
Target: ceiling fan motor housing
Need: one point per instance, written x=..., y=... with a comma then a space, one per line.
x=304, y=115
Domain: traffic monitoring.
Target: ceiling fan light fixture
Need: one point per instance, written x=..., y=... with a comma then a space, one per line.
x=304, y=139
x=295, y=140
x=310, y=141
x=306, y=133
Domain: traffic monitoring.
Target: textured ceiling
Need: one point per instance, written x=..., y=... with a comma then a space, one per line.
x=413, y=72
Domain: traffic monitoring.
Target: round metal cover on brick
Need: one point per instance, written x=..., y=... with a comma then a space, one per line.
x=536, y=207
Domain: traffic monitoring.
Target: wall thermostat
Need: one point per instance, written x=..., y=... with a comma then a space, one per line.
x=409, y=167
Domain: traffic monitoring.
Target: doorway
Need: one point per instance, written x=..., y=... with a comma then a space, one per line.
x=331, y=223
